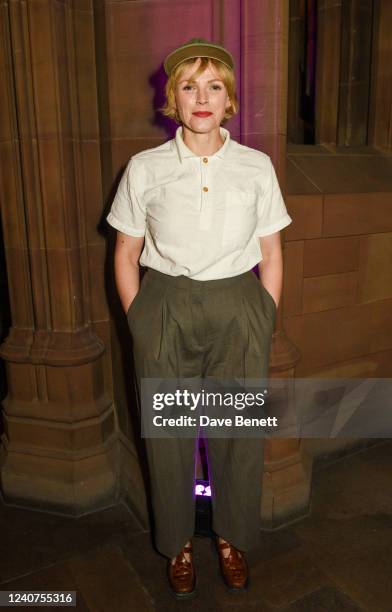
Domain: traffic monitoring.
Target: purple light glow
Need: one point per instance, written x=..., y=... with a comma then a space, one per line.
x=204, y=491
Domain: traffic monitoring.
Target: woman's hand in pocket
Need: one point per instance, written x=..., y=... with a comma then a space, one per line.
x=126, y=268
x=131, y=303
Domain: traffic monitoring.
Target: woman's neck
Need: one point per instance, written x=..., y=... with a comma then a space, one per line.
x=202, y=144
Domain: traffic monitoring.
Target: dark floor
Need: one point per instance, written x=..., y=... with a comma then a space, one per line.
x=338, y=559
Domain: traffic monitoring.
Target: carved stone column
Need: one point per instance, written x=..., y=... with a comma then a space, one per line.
x=58, y=446
x=264, y=44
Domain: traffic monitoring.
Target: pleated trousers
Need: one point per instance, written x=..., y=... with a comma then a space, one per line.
x=184, y=328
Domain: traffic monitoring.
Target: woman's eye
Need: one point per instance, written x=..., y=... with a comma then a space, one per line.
x=215, y=87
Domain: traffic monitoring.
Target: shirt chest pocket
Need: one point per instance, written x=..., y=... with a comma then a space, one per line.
x=239, y=216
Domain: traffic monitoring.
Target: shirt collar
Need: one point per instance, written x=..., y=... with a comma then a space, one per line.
x=184, y=152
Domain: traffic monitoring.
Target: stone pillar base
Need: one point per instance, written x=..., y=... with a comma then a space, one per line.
x=67, y=485
x=133, y=482
x=287, y=474
x=286, y=489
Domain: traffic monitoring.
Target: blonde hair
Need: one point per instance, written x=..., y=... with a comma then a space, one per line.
x=224, y=72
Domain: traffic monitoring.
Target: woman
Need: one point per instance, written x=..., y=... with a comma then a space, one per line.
x=207, y=210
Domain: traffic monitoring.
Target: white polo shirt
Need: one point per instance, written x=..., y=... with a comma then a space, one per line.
x=201, y=216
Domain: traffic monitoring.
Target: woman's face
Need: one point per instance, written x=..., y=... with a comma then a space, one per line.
x=207, y=94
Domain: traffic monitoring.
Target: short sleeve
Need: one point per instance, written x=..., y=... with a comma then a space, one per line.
x=127, y=214
x=271, y=209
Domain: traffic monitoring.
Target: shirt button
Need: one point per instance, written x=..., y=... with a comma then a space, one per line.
x=205, y=160
x=205, y=188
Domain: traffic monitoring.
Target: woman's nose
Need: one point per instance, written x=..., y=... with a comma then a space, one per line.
x=202, y=97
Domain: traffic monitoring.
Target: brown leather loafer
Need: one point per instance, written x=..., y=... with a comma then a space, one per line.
x=234, y=568
x=181, y=574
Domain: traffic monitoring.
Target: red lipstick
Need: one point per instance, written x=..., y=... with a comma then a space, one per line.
x=202, y=114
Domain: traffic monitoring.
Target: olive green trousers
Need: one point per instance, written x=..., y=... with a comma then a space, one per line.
x=183, y=328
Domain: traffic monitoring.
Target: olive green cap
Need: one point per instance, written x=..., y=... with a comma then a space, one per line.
x=197, y=47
